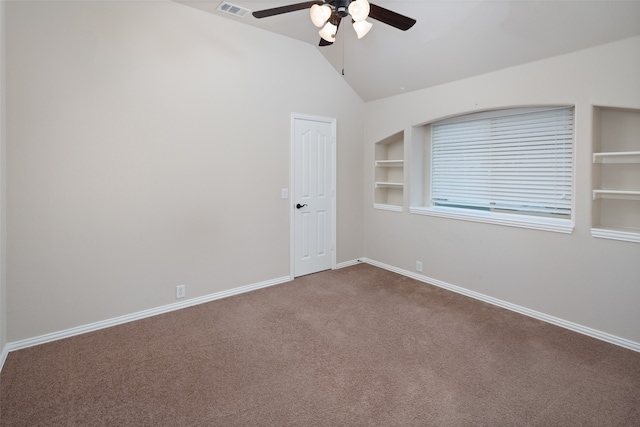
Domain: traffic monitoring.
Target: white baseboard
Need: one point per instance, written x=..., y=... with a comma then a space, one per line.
x=348, y=263
x=54, y=336
x=42, y=339
x=594, y=333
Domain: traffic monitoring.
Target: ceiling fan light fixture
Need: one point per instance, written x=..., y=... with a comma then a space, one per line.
x=359, y=10
x=362, y=28
x=328, y=32
x=320, y=14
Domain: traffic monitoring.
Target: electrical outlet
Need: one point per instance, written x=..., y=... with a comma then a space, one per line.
x=181, y=291
x=419, y=266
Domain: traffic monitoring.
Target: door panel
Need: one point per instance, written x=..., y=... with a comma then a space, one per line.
x=313, y=187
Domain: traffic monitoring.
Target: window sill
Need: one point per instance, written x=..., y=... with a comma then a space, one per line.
x=512, y=220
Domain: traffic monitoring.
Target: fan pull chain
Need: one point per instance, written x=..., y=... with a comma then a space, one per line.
x=343, y=54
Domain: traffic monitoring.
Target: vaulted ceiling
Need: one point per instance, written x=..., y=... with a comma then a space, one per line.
x=452, y=39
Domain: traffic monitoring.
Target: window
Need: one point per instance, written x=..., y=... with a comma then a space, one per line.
x=512, y=167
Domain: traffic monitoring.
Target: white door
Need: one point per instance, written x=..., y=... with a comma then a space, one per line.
x=313, y=149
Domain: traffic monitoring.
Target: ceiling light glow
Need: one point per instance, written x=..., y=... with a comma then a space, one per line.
x=320, y=14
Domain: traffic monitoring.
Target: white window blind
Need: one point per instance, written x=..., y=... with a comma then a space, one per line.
x=518, y=161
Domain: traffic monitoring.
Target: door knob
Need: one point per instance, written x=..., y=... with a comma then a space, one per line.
x=298, y=206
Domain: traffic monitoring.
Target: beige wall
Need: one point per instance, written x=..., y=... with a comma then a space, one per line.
x=577, y=278
x=3, y=253
x=147, y=146
x=148, y=143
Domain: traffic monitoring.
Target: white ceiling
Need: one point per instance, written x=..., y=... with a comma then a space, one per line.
x=452, y=39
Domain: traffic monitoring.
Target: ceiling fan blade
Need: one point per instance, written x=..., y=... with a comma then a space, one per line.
x=285, y=9
x=390, y=17
x=337, y=21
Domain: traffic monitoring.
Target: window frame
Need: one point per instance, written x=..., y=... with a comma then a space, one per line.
x=422, y=180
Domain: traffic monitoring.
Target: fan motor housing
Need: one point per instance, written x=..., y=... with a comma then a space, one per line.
x=341, y=7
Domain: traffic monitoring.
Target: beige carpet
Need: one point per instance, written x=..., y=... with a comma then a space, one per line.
x=358, y=346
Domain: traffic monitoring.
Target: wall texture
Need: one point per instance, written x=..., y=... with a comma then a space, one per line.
x=147, y=146
x=578, y=278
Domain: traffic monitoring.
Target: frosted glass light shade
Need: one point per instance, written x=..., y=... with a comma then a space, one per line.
x=359, y=10
x=319, y=14
x=362, y=28
x=328, y=32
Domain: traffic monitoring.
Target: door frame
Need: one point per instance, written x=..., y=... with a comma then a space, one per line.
x=292, y=237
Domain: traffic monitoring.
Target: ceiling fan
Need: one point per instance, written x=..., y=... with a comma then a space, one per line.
x=328, y=14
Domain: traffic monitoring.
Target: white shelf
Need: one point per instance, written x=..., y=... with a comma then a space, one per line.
x=616, y=194
x=389, y=163
x=617, y=157
x=617, y=233
x=385, y=207
x=616, y=173
x=389, y=185
x=389, y=173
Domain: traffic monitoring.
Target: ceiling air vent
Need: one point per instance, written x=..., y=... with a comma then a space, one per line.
x=232, y=9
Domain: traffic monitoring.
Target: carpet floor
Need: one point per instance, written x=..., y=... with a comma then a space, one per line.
x=359, y=346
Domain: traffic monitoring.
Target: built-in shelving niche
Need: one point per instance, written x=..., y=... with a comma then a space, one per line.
x=389, y=173
x=616, y=174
